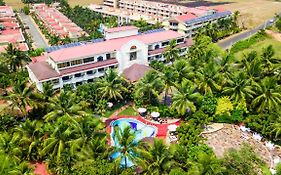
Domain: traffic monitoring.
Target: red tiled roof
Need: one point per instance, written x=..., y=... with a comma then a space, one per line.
x=110, y=45
x=88, y=66
x=42, y=70
x=118, y=29
x=135, y=72
x=20, y=46
x=11, y=35
x=186, y=17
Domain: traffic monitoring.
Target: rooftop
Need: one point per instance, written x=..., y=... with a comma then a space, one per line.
x=6, y=11
x=122, y=28
x=186, y=17
x=110, y=45
x=135, y=72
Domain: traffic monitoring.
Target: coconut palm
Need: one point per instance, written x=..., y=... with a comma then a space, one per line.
x=127, y=145
x=9, y=144
x=14, y=57
x=239, y=87
x=183, y=69
x=208, y=78
x=62, y=134
x=168, y=77
x=21, y=97
x=31, y=133
x=91, y=130
x=149, y=87
x=156, y=158
x=268, y=60
x=171, y=52
x=185, y=97
x=111, y=86
x=268, y=95
x=66, y=104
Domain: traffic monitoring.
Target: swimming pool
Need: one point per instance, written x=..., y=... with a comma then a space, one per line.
x=142, y=129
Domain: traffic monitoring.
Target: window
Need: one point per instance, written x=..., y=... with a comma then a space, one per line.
x=76, y=62
x=55, y=81
x=90, y=80
x=101, y=70
x=91, y=72
x=108, y=56
x=156, y=46
x=133, y=56
x=66, y=78
x=180, y=40
x=165, y=43
x=100, y=58
x=91, y=59
x=62, y=65
x=78, y=75
x=78, y=83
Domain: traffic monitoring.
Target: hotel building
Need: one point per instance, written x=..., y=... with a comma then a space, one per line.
x=122, y=48
x=148, y=10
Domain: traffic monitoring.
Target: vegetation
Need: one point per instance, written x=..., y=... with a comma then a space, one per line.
x=63, y=129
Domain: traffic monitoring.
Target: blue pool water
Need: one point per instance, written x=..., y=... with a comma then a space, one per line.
x=140, y=129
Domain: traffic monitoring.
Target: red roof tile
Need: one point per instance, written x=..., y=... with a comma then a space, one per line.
x=42, y=70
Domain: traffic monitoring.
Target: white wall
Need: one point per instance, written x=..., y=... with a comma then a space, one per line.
x=123, y=55
x=120, y=34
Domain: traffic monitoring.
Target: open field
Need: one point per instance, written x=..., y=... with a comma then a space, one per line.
x=262, y=44
x=253, y=12
x=16, y=4
x=73, y=3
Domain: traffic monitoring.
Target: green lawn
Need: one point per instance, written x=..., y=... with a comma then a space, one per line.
x=128, y=112
x=260, y=45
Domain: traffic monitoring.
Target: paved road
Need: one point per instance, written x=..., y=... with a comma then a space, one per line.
x=229, y=42
x=37, y=38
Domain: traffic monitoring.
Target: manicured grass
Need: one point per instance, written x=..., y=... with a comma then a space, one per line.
x=260, y=45
x=16, y=4
x=73, y=3
x=129, y=112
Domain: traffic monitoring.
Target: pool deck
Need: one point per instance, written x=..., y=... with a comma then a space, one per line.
x=161, y=128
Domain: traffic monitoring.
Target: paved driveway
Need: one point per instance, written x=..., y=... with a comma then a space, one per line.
x=36, y=36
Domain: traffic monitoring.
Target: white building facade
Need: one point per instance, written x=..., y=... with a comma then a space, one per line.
x=123, y=47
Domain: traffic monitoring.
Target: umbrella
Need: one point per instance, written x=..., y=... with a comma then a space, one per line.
x=109, y=104
x=155, y=114
x=141, y=110
x=172, y=127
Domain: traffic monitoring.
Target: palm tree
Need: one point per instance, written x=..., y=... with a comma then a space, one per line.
x=268, y=60
x=21, y=97
x=127, y=146
x=62, y=135
x=209, y=164
x=171, y=53
x=169, y=77
x=208, y=78
x=14, y=57
x=149, y=87
x=183, y=69
x=9, y=144
x=185, y=97
x=66, y=104
x=239, y=87
x=31, y=133
x=155, y=159
x=111, y=86
x=92, y=130
x=268, y=95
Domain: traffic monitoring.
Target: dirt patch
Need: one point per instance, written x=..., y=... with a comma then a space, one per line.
x=230, y=137
x=275, y=35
